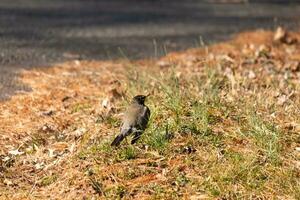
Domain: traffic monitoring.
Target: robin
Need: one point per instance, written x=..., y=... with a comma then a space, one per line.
x=135, y=120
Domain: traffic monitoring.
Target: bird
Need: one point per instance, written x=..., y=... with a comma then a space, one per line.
x=134, y=121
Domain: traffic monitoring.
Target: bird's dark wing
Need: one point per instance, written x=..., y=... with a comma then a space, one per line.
x=143, y=118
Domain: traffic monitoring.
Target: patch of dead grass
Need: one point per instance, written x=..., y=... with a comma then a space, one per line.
x=225, y=124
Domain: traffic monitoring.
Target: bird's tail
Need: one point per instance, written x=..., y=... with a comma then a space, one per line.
x=118, y=140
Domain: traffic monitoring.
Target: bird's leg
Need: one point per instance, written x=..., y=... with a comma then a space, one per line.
x=136, y=136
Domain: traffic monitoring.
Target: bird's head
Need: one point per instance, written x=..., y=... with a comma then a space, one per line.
x=140, y=99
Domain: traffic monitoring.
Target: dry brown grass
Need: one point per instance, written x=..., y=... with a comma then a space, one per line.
x=225, y=124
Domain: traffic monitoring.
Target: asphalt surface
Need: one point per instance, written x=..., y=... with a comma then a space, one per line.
x=42, y=32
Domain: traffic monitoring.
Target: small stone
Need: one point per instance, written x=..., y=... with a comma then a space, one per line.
x=188, y=149
x=251, y=75
x=8, y=182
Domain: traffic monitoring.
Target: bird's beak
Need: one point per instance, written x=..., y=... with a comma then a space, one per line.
x=148, y=95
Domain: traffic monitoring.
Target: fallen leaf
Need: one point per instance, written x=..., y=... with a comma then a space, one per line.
x=199, y=196
x=282, y=99
x=15, y=152
x=6, y=158
x=39, y=165
x=79, y=132
x=280, y=34
x=105, y=103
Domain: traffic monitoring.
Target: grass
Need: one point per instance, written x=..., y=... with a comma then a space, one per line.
x=266, y=138
x=183, y=118
x=80, y=107
x=214, y=132
x=47, y=180
x=180, y=114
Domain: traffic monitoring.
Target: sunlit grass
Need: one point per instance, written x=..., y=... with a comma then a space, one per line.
x=180, y=114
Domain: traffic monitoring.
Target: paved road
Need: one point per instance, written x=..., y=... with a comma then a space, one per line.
x=41, y=32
